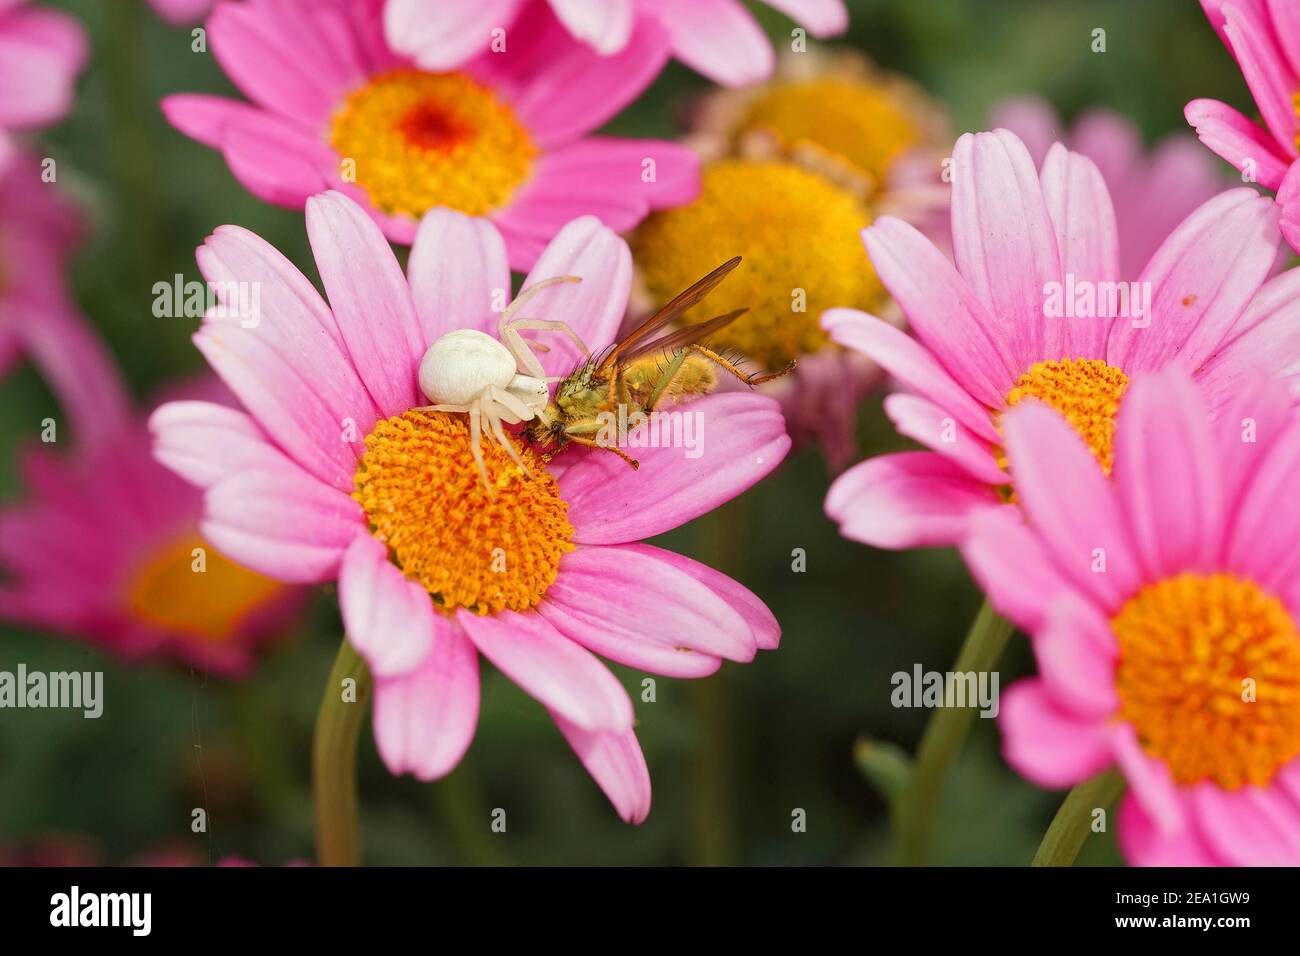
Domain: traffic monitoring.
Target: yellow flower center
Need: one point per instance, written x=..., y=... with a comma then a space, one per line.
x=420, y=140
x=1209, y=674
x=799, y=236
x=425, y=499
x=1086, y=391
x=189, y=588
x=858, y=121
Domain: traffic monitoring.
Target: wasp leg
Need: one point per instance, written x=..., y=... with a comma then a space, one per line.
x=734, y=369
x=592, y=443
x=665, y=379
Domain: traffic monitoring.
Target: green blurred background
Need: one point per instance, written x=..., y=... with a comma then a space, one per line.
x=731, y=756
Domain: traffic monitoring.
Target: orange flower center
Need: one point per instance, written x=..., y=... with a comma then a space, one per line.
x=1086, y=391
x=1209, y=674
x=189, y=588
x=414, y=140
x=425, y=499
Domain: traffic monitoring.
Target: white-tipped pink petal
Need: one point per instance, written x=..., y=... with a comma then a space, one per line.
x=605, y=26
x=458, y=272
x=823, y=18
x=370, y=299
x=282, y=522
x=1238, y=140
x=424, y=720
x=922, y=420
x=627, y=604
x=911, y=499
x=593, y=307
x=718, y=38
x=388, y=618
x=443, y=34
x=560, y=674
x=204, y=442
x=616, y=763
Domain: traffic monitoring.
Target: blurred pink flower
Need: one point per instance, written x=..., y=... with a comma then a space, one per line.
x=1177, y=658
x=1264, y=38
x=719, y=38
x=105, y=550
x=506, y=136
x=332, y=476
x=181, y=12
x=1013, y=321
x=38, y=320
x=1151, y=193
x=41, y=53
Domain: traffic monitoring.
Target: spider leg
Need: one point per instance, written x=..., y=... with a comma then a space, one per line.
x=441, y=408
x=514, y=407
x=494, y=423
x=510, y=336
x=476, y=443
x=551, y=325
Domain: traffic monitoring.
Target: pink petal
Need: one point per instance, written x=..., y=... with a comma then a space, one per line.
x=1202, y=279
x=181, y=12
x=605, y=26
x=596, y=176
x=823, y=18
x=1149, y=780
x=1238, y=140
x=204, y=442
x=457, y=272
x=576, y=90
x=628, y=605
x=286, y=56
x=1010, y=564
x=1088, y=239
x=548, y=666
x=1004, y=243
x=1271, y=80
x=388, y=618
x=1032, y=119
x=1261, y=538
x=41, y=53
x=424, y=720
x=908, y=361
x=1071, y=503
x=1144, y=844
x=718, y=38
x=594, y=307
x=282, y=522
x=616, y=763
x=1288, y=200
x=925, y=422
x=1167, y=471
x=763, y=626
x=1285, y=17
x=1252, y=826
x=370, y=299
x=1048, y=745
x=442, y=34
x=944, y=312
x=742, y=439
x=1077, y=653
x=911, y=499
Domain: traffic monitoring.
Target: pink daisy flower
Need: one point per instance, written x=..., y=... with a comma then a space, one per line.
x=1163, y=609
x=38, y=320
x=1030, y=310
x=41, y=53
x=107, y=548
x=181, y=12
x=718, y=38
x=1264, y=38
x=505, y=136
x=332, y=475
x=1150, y=192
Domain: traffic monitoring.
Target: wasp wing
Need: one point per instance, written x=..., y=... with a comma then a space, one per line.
x=636, y=340
x=680, y=338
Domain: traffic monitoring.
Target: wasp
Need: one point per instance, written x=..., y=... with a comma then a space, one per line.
x=654, y=364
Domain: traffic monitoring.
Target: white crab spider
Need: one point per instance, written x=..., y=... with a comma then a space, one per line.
x=493, y=380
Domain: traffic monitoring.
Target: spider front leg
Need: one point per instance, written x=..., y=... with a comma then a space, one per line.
x=492, y=416
x=476, y=443
x=508, y=327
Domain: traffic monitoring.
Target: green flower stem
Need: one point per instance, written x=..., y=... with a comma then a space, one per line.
x=1073, y=821
x=334, y=761
x=943, y=737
